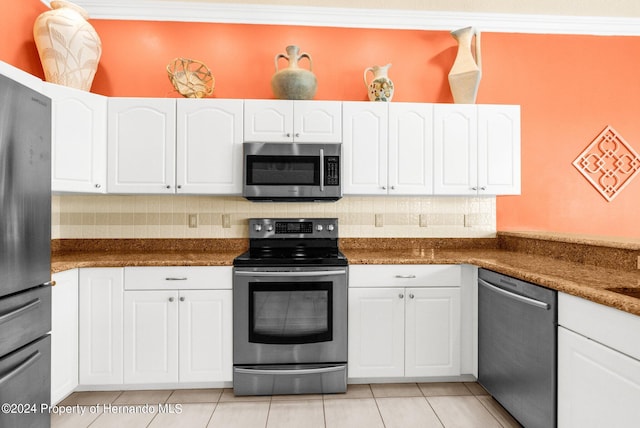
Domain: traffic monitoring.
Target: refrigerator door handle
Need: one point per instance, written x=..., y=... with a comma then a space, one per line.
x=21, y=367
x=17, y=312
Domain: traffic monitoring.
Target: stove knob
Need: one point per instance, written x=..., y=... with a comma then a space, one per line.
x=269, y=228
x=257, y=227
x=330, y=228
x=319, y=228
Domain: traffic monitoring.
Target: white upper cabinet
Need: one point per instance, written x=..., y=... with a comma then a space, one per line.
x=78, y=140
x=455, y=164
x=499, y=149
x=410, y=149
x=141, y=145
x=209, y=146
x=387, y=148
x=281, y=121
x=365, y=148
x=476, y=149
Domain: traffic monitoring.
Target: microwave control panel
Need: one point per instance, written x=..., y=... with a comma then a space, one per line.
x=332, y=171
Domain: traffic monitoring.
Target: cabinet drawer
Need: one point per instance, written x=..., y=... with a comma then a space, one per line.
x=614, y=328
x=177, y=278
x=405, y=276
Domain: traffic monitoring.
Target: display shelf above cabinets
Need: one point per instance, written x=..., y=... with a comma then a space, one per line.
x=169, y=146
x=78, y=140
x=286, y=121
x=476, y=149
x=387, y=148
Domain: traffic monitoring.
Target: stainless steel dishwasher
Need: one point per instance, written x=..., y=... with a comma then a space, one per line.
x=517, y=341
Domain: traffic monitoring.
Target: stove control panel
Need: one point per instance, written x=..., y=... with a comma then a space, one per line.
x=262, y=228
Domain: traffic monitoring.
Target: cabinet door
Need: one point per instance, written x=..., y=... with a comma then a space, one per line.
x=317, y=121
x=64, y=336
x=376, y=332
x=79, y=140
x=597, y=386
x=141, y=145
x=364, y=148
x=268, y=121
x=206, y=344
x=432, y=337
x=499, y=149
x=410, y=149
x=455, y=149
x=150, y=336
x=100, y=329
x=209, y=146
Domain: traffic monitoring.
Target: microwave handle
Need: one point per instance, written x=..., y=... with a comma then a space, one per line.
x=322, y=170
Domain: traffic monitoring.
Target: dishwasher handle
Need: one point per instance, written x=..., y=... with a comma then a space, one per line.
x=518, y=297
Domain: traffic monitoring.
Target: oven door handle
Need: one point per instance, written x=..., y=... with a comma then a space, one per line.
x=293, y=274
x=291, y=371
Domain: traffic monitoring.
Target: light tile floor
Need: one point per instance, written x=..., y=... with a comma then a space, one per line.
x=368, y=406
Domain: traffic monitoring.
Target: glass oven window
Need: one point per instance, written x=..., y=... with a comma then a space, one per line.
x=283, y=170
x=286, y=313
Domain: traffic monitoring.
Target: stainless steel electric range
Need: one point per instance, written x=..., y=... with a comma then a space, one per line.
x=290, y=309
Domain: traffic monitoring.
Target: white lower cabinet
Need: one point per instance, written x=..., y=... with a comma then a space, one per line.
x=598, y=365
x=64, y=337
x=177, y=335
x=398, y=331
x=151, y=336
x=100, y=330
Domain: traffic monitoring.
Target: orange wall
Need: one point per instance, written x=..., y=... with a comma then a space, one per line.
x=569, y=87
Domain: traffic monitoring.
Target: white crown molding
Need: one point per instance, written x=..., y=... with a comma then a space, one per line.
x=153, y=10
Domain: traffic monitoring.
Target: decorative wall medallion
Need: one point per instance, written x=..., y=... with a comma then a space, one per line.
x=609, y=163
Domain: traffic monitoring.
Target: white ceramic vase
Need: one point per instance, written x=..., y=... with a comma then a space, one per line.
x=465, y=75
x=68, y=45
x=293, y=82
x=381, y=87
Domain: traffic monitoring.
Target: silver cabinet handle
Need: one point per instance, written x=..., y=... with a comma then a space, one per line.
x=401, y=296
x=384, y=187
x=176, y=278
x=474, y=188
x=518, y=297
x=98, y=186
x=297, y=134
x=411, y=296
x=182, y=299
x=405, y=276
x=288, y=134
x=171, y=299
x=168, y=186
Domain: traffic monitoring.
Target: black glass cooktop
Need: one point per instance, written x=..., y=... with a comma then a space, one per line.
x=300, y=255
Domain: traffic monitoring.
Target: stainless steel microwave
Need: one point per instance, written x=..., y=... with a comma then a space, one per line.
x=292, y=172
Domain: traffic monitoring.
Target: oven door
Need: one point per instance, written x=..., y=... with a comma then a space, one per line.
x=289, y=315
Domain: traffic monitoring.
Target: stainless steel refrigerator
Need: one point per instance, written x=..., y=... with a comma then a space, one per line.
x=25, y=256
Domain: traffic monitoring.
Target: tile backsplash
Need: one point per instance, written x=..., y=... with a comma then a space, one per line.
x=165, y=216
